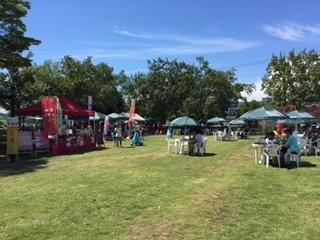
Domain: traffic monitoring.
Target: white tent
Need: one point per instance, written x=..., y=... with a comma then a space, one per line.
x=136, y=117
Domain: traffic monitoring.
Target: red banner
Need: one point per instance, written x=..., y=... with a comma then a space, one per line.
x=49, y=115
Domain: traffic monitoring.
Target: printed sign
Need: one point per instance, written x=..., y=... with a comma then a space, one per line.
x=12, y=140
x=49, y=112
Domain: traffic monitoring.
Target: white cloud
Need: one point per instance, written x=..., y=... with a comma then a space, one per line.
x=257, y=95
x=155, y=45
x=293, y=32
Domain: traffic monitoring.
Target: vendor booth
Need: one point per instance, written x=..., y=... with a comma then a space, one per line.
x=65, y=127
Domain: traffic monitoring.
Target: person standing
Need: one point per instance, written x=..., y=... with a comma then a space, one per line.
x=118, y=131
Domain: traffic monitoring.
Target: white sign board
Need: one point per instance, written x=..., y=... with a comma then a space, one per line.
x=13, y=122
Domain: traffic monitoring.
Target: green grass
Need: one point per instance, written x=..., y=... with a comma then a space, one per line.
x=144, y=193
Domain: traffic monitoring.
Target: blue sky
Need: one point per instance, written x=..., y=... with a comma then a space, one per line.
x=124, y=34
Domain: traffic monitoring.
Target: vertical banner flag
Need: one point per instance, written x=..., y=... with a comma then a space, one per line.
x=132, y=111
x=106, y=126
x=49, y=115
x=90, y=101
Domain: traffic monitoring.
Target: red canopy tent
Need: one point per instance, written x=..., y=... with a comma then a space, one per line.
x=65, y=144
x=68, y=108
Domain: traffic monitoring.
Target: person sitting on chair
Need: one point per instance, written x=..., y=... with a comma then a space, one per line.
x=290, y=147
x=169, y=134
x=136, y=140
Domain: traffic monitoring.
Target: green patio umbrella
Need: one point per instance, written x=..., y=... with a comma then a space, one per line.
x=215, y=120
x=184, y=122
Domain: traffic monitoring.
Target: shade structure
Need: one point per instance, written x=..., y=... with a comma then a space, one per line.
x=215, y=120
x=68, y=108
x=263, y=113
x=184, y=122
x=118, y=117
x=135, y=117
x=98, y=116
x=300, y=115
x=237, y=122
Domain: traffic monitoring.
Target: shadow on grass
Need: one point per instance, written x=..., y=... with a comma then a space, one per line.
x=205, y=155
x=23, y=166
x=306, y=164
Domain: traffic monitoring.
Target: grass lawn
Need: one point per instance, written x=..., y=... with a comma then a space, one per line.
x=144, y=193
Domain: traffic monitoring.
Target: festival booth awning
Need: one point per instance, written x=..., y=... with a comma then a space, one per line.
x=68, y=107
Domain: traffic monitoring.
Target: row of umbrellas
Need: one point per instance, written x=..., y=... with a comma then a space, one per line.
x=117, y=116
x=262, y=113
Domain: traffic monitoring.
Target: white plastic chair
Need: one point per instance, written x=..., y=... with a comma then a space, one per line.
x=184, y=147
x=272, y=151
x=293, y=157
x=316, y=147
x=219, y=136
x=305, y=146
x=172, y=147
x=235, y=135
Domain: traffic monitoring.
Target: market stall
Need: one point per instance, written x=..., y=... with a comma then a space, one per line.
x=65, y=125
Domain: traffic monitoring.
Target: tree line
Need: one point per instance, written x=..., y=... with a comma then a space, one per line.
x=170, y=88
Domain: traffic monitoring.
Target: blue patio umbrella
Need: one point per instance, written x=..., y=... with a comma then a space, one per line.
x=263, y=114
x=300, y=115
x=237, y=122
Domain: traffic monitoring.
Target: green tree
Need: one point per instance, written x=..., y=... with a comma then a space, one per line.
x=14, y=43
x=293, y=79
x=73, y=79
x=172, y=88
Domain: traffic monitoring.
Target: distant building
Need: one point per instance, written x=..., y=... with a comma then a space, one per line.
x=267, y=100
